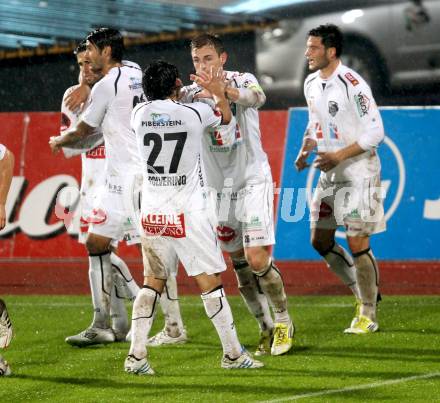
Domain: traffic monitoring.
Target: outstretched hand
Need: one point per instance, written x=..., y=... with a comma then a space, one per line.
x=77, y=97
x=53, y=144
x=212, y=81
x=326, y=161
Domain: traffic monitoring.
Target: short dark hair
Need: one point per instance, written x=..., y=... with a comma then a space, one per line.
x=159, y=80
x=331, y=37
x=80, y=48
x=103, y=37
x=208, y=40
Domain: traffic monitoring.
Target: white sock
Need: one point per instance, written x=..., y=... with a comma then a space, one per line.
x=101, y=283
x=118, y=315
x=125, y=283
x=340, y=262
x=169, y=303
x=271, y=283
x=144, y=308
x=218, y=310
x=367, y=274
x=253, y=297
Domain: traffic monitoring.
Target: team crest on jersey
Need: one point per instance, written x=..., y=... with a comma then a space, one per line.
x=168, y=225
x=350, y=78
x=333, y=108
x=161, y=118
x=362, y=103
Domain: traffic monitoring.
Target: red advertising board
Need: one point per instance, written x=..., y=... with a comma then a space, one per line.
x=33, y=229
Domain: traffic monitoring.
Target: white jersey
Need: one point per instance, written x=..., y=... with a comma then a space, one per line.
x=342, y=111
x=93, y=161
x=112, y=101
x=2, y=151
x=169, y=136
x=245, y=160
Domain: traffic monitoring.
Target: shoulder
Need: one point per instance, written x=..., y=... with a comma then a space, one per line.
x=197, y=108
x=139, y=108
x=131, y=65
x=242, y=80
x=351, y=77
x=310, y=78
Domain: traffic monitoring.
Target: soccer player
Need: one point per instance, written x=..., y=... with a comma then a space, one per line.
x=92, y=179
x=6, y=174
x=346, y=128
x=242, y=177
x=175, y=212
x=112, y=100
x=174, y=331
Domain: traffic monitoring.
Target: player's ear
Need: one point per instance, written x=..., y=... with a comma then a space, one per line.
x=223, y=58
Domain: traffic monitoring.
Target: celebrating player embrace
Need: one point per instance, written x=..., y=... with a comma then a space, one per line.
x=175, y=213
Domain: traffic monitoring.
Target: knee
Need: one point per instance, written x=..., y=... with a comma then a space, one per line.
x=322, y=246
x=94, y=247
x=258, y=259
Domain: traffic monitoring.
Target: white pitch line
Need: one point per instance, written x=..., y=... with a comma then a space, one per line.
x=354, y=388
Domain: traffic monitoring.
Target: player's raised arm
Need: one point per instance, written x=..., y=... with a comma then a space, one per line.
x=213, y=82
x=6, y=173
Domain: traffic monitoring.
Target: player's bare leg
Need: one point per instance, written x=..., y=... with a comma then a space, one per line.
x=271, y=283
x=255, y=300
x=367, y=274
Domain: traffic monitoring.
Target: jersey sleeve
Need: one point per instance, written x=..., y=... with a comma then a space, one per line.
x=102, y=93
x=2, y=151
x=209, y=118
x=368, y=115
x=250, y=92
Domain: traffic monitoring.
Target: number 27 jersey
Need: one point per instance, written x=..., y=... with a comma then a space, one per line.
x=169, y=136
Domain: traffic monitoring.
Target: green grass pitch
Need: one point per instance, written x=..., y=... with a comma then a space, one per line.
x=400, y=363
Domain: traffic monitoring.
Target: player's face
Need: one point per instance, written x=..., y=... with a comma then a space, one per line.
x=206, y=57
x=85, y=69
x=95, y=56
x=316, y=54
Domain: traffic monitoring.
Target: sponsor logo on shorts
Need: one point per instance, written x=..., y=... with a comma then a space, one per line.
x=225, y=234
x=167, y=225
x=98, y=216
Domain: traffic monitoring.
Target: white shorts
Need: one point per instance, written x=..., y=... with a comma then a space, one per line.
x=249, y=219
x=190, y=236
x=358, y=206
x=115, y=212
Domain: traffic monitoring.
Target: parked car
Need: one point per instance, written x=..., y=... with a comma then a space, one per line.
x=393, y=46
